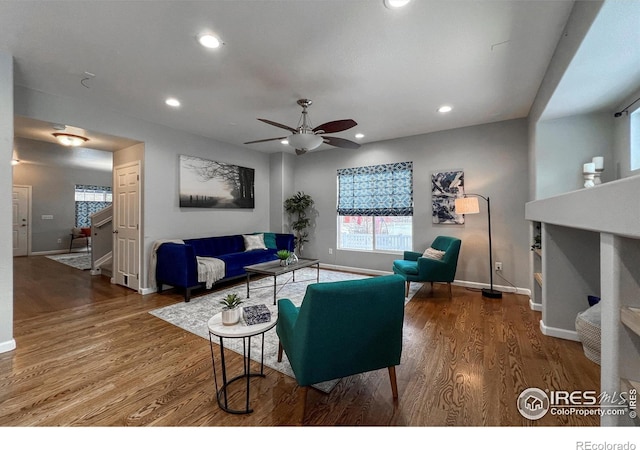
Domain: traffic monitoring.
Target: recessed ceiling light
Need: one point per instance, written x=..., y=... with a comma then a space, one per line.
x=359, y=136
x=172, y=102
x=444, y=109
x=284, y=142
x=209, y=41
x=394, y=4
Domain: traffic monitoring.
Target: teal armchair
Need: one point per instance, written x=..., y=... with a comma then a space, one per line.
x=415, y=267
x=343, y=328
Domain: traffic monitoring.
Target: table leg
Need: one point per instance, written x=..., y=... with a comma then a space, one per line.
x=248, y=277
x=248, y=358
x=224, y=373
x=274, y=289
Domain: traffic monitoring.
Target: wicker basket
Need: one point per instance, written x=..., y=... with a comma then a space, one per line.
x=588, y=328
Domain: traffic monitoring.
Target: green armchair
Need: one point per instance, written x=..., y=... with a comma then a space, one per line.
x=416, y=267
x=343, y=328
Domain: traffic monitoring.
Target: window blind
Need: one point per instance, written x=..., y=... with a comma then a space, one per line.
x=380, y=190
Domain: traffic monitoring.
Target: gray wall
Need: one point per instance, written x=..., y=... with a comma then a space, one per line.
x=494, y=160
x=6, y=245
x=564, y=145
x=53, y=189
x=162, y=217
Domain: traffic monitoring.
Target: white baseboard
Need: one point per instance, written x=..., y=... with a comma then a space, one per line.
x=49, y=252
x=469, y=284
x=535, y=306
x=7, y=346
x=147, y=291
x=559, y=332
x=354, y=269
x=497, y=287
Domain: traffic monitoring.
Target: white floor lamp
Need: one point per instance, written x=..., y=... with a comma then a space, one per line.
x=469, y=205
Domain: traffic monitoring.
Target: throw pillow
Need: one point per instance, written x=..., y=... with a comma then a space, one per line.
x=254, y=242
x=433, y=253
x=269, y=240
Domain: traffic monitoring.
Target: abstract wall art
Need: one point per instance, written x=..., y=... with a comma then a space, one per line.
x=211, y=184
x=445, y=188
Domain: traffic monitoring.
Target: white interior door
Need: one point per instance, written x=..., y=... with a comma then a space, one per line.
x=127, y=225
x=21, y=225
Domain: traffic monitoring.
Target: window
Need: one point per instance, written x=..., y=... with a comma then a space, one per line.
x=634, y=139
x=375, y=207
x=90, y=200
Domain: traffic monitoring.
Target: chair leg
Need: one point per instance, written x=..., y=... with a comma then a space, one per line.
x=394, y=384
x=302, y=392
x=279, y=351
x=406, y=294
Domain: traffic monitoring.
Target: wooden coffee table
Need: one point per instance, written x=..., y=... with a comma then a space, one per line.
x=273, y=268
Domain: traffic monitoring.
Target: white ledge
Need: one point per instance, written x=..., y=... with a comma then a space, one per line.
x=612, y=207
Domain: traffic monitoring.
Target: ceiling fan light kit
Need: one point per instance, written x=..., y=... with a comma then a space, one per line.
x=305, y=138
x=70, y=140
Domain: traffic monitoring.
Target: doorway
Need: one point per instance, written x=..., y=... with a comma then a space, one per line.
x=21, y=230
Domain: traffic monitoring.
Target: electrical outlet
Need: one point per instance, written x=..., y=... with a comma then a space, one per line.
x=498, y=266
x=331, y=251
x=59, y=241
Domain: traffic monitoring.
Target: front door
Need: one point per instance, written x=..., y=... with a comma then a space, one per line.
x=127, y=225
x=21, y=198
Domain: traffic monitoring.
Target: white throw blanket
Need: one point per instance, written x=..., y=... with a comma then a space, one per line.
x=210, y=270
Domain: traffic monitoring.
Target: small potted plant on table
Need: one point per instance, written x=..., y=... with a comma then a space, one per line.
x=283, y=256
x=231, y=310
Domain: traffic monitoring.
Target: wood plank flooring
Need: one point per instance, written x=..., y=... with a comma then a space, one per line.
x=89, y=354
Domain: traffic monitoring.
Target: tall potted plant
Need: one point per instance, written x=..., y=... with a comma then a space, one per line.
x=297, y=206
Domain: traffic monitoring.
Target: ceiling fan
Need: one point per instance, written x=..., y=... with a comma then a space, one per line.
x=305, y=138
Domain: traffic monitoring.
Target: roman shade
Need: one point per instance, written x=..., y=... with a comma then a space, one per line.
x=380, y=190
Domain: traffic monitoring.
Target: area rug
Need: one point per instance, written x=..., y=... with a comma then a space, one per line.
x=80, y=261
x=194, y=315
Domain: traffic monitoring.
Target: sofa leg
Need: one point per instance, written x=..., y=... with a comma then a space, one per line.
x=406, y=294
x=394, y=384
x=279, y=351
x=450, y=294
x=159, y=288
x=187, y=294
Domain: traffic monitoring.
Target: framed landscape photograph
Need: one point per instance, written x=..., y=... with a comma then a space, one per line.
x=445, y=188
x=210, y=184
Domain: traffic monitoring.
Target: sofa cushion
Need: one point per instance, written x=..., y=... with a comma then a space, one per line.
x=253, y=242
x=214, y=246
x=236, y=262
x=406, y=267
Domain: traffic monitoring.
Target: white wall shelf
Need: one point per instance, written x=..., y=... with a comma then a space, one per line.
x=591, y=246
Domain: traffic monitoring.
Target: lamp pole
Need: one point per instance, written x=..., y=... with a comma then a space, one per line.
x=490, y=293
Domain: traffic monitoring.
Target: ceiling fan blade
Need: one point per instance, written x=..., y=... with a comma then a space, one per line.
x=279, y=125
x=339, y=142
x=299, y=151
x=335, y=126
x=267, y=140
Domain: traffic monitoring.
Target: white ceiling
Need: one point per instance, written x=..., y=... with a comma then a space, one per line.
x=389, y=70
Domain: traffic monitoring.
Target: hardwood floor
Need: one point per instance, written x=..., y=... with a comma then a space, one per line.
x=89, y=354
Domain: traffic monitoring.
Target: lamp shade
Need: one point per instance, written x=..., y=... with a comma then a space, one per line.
x=305, y=141
x=467, y=205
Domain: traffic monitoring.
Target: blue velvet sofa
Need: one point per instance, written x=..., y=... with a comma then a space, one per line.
x=176, y=264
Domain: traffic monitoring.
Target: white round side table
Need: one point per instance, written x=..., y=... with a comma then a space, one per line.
x=238, y=331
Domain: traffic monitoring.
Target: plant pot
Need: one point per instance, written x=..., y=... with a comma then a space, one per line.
x=283, y=262
x=230, y=316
